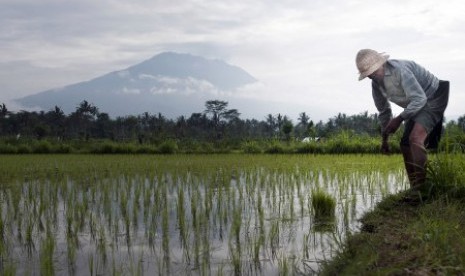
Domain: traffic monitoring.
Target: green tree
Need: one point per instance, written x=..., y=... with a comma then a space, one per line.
x=311, y=129
x=461, y=122
x=301, y=128
x=287, y=129
x=41, y=131
x=3, y=113
x=271, y=125
x=55, y=119
x=104, y=126
x=86, y=114
x=219, y=114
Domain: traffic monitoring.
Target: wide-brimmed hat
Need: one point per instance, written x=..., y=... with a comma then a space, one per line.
x=368, y=61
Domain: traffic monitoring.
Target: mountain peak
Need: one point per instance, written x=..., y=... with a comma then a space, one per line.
x=178, y=65
x=163, y=83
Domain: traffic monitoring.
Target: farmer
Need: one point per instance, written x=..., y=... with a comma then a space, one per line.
x=422, y=95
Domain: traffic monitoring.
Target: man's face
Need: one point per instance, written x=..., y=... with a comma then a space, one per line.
x=377, y=75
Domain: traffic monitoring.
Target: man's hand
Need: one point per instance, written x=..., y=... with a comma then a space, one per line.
x=393, y=125
x=385, y=147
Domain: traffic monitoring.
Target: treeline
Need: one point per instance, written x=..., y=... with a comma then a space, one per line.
x=215, y=129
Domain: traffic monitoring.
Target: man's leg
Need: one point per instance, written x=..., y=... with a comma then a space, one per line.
x=418, y=155
x=408, y=161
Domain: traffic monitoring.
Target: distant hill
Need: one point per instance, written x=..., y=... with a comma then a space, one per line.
x=173, y=84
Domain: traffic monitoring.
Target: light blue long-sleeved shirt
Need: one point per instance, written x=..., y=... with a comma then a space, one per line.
x=406, y=84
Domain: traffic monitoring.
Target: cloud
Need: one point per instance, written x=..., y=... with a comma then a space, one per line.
x=301, y=51
x=171, y=85
x=130, y=91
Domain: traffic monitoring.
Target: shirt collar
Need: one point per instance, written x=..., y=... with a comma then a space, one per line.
x=387, y=68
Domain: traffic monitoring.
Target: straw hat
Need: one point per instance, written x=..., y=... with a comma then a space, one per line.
x=368, y=61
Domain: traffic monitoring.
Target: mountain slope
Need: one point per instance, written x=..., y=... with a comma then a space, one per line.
x=170, y=83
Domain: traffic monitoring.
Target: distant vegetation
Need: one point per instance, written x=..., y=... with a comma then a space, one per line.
x=217, y=129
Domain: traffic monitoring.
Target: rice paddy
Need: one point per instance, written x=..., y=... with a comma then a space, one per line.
x=184, y=214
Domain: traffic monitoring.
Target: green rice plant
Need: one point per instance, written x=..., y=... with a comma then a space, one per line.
x=30, y=246
x=252, y=206
x=235, y=256
x=257, y=245
x=90, y=263
x=165, y=230
x=46, y=256
x=286, y=265
x=306, y=247
x=445, y=176
x=183, y=229
x=323, y=204
x=274, y=238
x=102, y=244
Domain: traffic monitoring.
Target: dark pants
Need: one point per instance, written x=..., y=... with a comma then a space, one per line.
x=431, y=117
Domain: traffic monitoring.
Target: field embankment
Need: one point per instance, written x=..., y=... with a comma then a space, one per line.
x=405, y=238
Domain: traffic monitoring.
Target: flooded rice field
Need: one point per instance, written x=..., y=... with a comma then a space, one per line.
x=183, y=214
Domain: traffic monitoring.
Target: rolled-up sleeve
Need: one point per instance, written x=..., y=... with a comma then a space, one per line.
x=414, y=93
x=382, y=104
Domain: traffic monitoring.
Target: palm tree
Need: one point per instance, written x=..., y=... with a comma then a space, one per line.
x=271, y=124
x=3, y=114
x=3, y=111
x=87, y=110
x=56, y=119
x=85, y=114
x=302, y=127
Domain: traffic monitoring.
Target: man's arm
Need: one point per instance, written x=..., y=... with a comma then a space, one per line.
x=385, y=114
x=382, y=105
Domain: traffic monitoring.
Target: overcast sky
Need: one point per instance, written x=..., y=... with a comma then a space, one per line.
x=300, y=51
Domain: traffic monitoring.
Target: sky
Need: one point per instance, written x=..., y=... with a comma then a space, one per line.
x=302, y=52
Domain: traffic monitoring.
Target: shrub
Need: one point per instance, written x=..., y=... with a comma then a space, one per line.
x=145, y=149
x=63, y=148
x=251, y=147
x=24, y=149
x=206, y=148
x=190, y=146
x=8, y=149
x=125, y=148
x=308, y=147
x=168, y=147
x=42, y=147
x=106, y=147
x=275, y=148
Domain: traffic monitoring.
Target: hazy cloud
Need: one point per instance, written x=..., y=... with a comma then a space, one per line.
x=301, y=51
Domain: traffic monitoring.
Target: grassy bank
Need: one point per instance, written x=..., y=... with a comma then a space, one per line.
x=343, y=143
x=401, y=238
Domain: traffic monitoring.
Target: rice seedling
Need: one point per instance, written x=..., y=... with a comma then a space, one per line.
x=46, y=256
x=241, y=214
x=323, y=204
